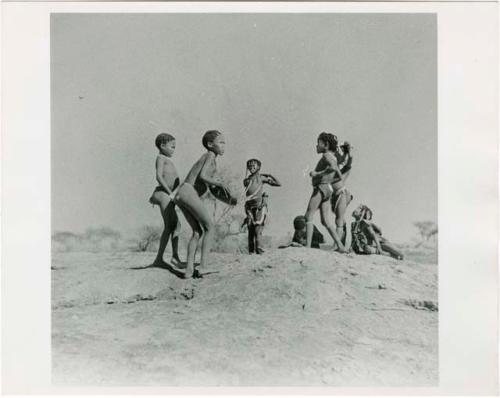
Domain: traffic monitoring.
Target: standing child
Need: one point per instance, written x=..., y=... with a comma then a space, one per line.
x=200, y=178
x=341, y=197
x=163, y=195
x=322, y=178
x=256, y=204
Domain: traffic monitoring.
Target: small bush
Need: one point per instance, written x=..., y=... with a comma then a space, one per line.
x=94, y=240
x=147, y=238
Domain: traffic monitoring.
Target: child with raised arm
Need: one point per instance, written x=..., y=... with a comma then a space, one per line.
x=322, y=178
x=256, y=204
x=200, y=178
x=168, y=181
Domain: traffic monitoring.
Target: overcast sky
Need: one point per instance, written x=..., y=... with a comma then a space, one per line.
x=270, y=82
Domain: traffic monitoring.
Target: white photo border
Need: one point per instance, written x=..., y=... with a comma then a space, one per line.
x=467, y=185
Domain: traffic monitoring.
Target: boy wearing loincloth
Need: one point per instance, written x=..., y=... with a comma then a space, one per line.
x=256, y=203
x=168, y=181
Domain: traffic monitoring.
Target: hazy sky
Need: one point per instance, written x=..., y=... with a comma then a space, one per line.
x=270, y=82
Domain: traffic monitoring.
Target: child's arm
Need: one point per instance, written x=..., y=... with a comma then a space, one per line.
x=347, y=166
x=271, y=180
x=208, y=170
x=374, y=236
x=161, y=164
x=332, y=166
x=376, y=228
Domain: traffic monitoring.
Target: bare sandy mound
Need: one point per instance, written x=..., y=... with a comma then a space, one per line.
x=292, y=317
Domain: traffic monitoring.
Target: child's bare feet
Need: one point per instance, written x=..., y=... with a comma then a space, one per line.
x=197, y=274
x=175, y=260
x=189, y=273
x=158, y=263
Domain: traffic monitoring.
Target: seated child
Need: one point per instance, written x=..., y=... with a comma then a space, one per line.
x=201, y=178
x=168, y=181
x=367, y=237
x=300, y=234
x=256, y=203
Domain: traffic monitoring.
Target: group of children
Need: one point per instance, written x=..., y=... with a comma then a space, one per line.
x=329, y=195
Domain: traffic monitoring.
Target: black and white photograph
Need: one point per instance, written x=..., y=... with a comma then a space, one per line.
x=249, y=198
x=244, y=199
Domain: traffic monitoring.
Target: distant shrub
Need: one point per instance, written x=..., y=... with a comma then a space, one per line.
x=93, y=240
x=147, y=237
x=227, y=237
x=102, y=239
x=67, y=242
x=426, y=231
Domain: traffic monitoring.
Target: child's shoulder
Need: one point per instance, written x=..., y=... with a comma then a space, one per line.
x=330, y=156
x=208, y=155
x=206, y=160
x=162, y=158
x=367, y=224
x=165, y=163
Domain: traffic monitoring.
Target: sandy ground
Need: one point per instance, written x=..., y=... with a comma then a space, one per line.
x=291, y=317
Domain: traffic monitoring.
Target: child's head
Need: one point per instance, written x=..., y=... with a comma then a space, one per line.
x=253, y=165
x=362, y=212
x=299, y=222
x=326, y=142
x=213, y=141
x=165, y=143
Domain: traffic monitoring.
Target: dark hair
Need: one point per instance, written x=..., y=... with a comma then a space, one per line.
x=330, y=140
x=254, y=161
x=209, y=136
x=299, y=222
x=163, y=138
x=366, y=213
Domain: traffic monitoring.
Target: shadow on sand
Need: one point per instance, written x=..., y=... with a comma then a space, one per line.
x=177, y=270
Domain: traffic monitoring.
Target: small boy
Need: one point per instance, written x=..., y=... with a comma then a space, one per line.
x=163, y=195
x=367, y=236
x=256, y=203
x=300, y=234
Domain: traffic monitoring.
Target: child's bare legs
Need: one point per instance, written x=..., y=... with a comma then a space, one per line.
x=175, y=241
x=258, y=239
x=193, y=242
x=197, y=216
x=340, y=210
x=170, y=221
x=251, y=238
x=389, y=247
x=327, y=223
x=313, y=205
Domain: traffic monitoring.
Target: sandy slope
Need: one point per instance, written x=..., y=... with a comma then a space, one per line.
x=290, y=317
